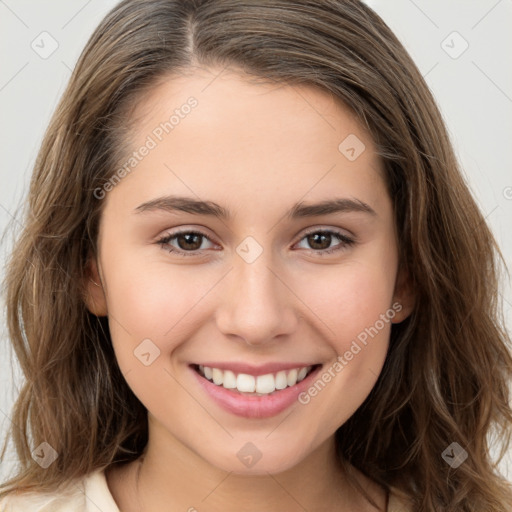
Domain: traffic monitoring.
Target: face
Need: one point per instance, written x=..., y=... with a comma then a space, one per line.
x=248, y=261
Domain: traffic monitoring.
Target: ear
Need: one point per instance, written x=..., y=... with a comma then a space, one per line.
x=403, y=296
x=94, y=295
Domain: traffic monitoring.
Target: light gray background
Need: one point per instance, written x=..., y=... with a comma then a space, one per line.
x=473, y=89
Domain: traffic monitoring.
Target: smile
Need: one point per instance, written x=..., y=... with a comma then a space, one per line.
x=259, y=385
x=251, y=392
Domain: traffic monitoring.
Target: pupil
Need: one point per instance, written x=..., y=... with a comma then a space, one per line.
x=314, y=240
x=189, y=239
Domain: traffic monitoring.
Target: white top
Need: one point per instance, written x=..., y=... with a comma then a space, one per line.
x=92, y=494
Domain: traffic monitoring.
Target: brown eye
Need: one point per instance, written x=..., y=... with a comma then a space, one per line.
x=184, y=243
x=189, y=241
x=320, y=241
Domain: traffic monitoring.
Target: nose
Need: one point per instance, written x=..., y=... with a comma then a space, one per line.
x=257, y=305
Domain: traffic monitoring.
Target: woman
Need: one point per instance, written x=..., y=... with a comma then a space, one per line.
x=256, y=275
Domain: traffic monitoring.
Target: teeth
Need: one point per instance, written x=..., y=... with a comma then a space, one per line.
x=265, y=384
x=217, y=376
x=260, y=385
x=229, y=380
x=281, y=380
x=291, y=378
x=245, y=383
x=302, y=373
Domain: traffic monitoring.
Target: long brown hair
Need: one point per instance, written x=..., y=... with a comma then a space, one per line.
x=447, y=372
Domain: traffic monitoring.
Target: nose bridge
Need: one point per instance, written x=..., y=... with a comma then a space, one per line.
x=256, y=306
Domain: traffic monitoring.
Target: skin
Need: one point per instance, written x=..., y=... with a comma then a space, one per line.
x=255, y=149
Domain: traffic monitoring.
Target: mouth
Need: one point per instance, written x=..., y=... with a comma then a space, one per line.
x=254, y=392
x=254, y=385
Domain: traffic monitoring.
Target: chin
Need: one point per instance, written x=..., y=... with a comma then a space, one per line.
x=248, y=460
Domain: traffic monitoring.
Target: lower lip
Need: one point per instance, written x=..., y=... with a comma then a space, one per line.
x=255, y=406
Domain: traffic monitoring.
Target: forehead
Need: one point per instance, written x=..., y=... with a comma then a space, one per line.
x=248, y=137
x=227, y=97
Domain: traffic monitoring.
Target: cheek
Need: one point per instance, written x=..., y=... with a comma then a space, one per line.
x=151, y=300
x=348, y=299
x=354, y=307
x=153, y=308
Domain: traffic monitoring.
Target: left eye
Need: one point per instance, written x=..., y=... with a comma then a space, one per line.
x=189, y=243
x=320, y=241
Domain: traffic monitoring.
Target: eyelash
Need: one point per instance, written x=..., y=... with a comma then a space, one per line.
x=344, y=240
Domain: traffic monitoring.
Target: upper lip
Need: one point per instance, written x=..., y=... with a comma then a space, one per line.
x=238, y=367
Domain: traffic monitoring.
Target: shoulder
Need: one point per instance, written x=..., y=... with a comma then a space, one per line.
x=397, y=503
x=88, y=494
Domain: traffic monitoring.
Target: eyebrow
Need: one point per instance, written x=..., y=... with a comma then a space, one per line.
x=174, y=204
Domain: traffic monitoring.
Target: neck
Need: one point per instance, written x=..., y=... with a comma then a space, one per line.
x=170, y=476
x=195, y=483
